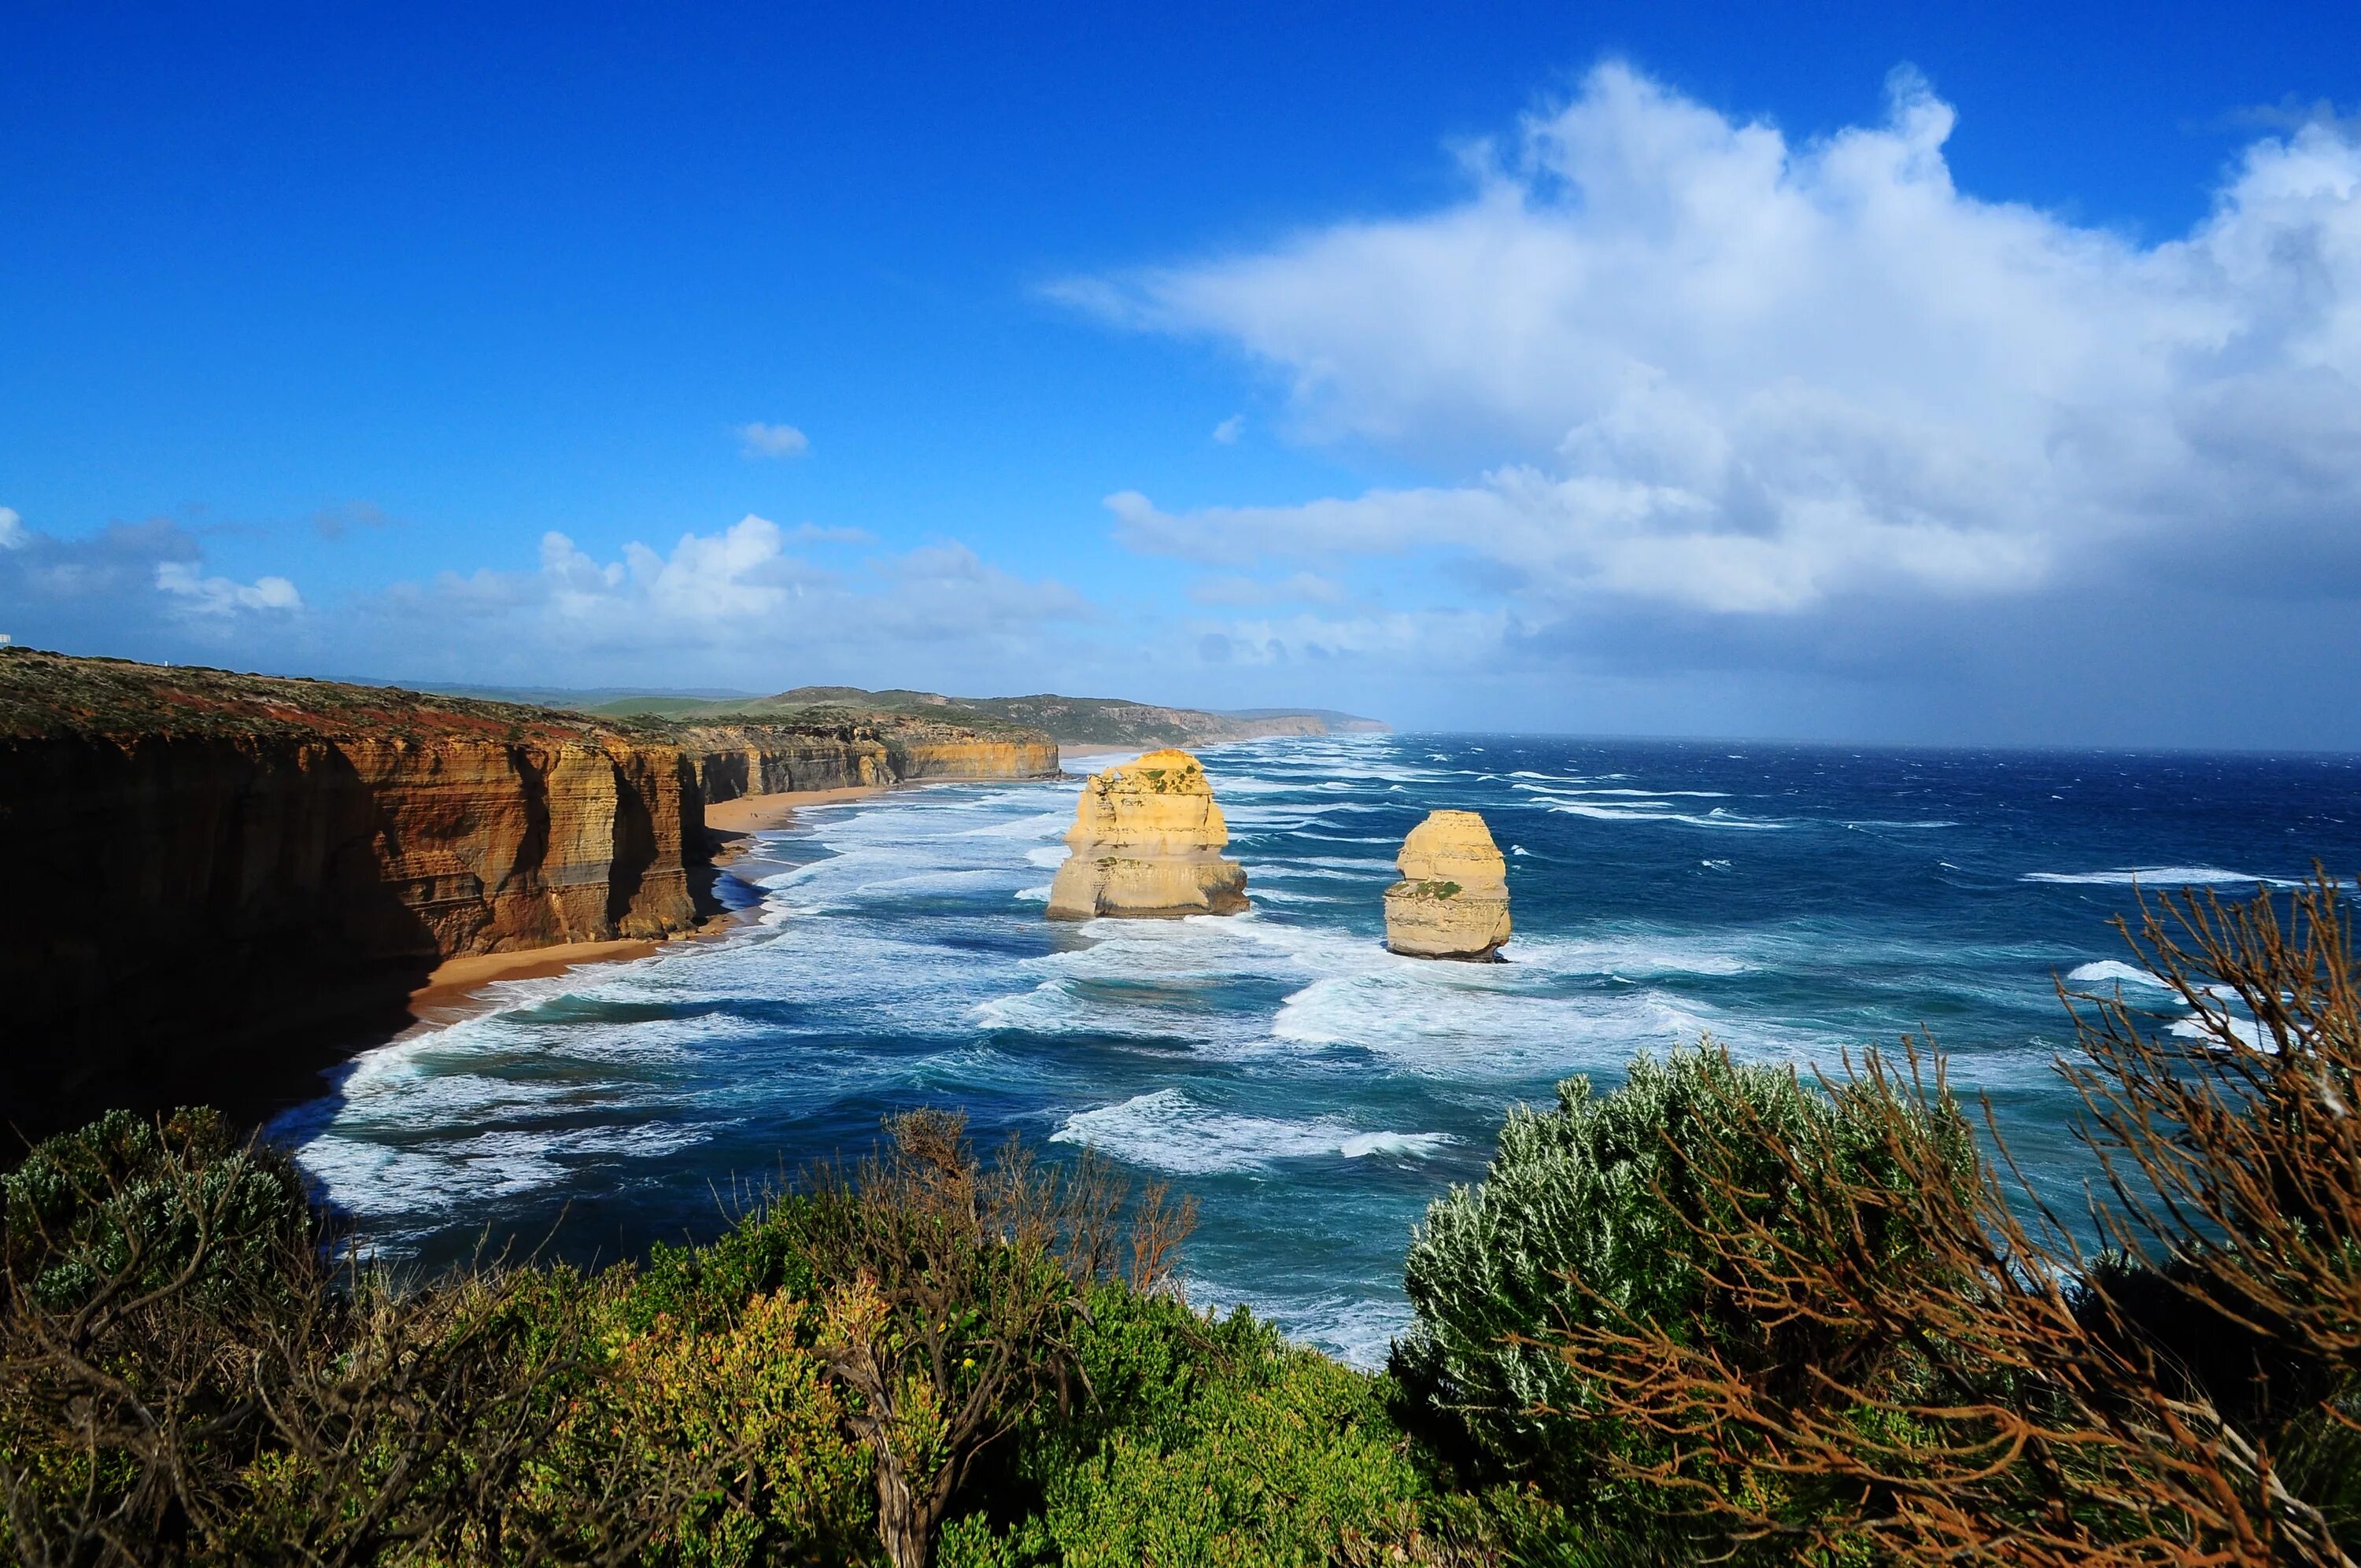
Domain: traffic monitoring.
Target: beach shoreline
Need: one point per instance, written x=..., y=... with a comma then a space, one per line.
x=458, y=989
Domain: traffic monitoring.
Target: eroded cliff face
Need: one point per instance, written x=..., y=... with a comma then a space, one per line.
x=732, y=760
x=200, y=864
x=1453, y=900
x=1146, y=841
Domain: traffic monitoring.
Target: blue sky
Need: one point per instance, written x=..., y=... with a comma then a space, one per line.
x=1937, y=374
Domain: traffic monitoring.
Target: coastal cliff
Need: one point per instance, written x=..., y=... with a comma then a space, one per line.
x=753, y=758
x=201, y=864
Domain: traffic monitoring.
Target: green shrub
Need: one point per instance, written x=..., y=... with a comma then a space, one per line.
x=707, y=1287
x=1591, y=1213
x=139, y=1200
x=1202, y=1443
x=745, y=1408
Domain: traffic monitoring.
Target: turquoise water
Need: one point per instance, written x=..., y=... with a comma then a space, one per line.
x=1314, y=1090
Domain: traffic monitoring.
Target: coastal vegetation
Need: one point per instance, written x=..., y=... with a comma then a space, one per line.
x=1724, y=1312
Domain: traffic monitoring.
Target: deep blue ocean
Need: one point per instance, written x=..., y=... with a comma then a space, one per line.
x=1311, y=1089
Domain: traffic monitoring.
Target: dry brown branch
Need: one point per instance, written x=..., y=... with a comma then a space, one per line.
x=2030, y=1418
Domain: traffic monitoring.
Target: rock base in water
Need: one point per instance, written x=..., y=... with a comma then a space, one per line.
x=1146, y=841
x=1453, y=900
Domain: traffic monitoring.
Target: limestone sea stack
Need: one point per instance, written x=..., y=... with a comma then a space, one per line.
x=1453, y=900
x=1147, y=840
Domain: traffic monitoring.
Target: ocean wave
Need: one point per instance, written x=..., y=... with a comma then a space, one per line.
x=1264, y=890
x=2113, y=971
x=1263, y=871
x=2168, y=876
x=2207, y=1029
x=1466, y=1026
x=373, y=1179
x=1041, y=825
x=1358, y=1330
x=1633, y=794
x=1643, y=953
x=1716, y=817
x=1165, y=1130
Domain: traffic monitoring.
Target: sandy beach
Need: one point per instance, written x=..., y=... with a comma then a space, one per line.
x=456, y=990
x=456, y=987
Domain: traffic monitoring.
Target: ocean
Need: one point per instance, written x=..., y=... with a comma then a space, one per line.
x=1313, y=1090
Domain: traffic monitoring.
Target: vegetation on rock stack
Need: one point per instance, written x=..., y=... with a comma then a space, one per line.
x=1146, y=841
x=1719, y=1314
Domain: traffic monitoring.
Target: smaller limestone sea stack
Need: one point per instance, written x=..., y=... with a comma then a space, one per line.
x=1147, y=839
x=1453, y=900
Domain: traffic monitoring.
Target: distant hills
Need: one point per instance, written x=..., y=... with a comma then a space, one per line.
x=1072, y=721
x=1075, y=720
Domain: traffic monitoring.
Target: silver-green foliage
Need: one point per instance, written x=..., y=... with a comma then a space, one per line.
x=1586, y=1209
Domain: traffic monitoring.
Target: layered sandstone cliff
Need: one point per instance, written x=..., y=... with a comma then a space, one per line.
x=1147, y=839
x=199, y=864
x=1453, y=900
x=730, y=760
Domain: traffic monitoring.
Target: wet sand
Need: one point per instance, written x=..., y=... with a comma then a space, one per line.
x=456, y=987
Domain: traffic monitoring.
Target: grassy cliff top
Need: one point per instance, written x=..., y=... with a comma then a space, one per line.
x=45, y=694
x=57, y=694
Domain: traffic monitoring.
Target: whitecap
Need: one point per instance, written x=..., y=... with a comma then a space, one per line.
x=1043, y=825
x=369, y=1178
x=1358, y=1330
x=2208, y=1029
x=2171, y=876
x=2113, y=971
x=1167, y=1131
x=1718, y=817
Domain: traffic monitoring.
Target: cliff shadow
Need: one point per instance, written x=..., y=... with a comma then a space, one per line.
x=198, y=922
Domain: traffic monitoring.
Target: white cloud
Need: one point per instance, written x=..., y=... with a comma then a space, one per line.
x=1665, y=357
x=1436, y=643
x=13, y=535
x=761, y=440
x=201, y=595
x=1228, y=432
x=730, y=599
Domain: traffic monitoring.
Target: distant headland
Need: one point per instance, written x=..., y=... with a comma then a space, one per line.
x=1075, y=722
